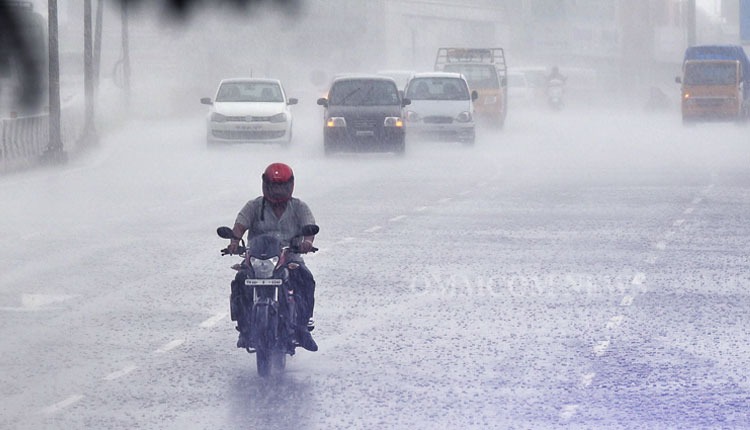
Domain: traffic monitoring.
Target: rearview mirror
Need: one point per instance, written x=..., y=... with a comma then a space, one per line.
x=309, y=230
x=206, y=101
x=323, y=101
x=292, y=101
x=225, y=232
x=474, y=95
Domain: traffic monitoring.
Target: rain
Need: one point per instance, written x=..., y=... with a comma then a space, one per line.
x=580, y=266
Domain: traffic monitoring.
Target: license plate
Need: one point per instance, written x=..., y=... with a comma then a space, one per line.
x=365, y=133
x=262, y=282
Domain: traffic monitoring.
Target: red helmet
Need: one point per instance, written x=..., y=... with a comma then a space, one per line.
x=278, y=183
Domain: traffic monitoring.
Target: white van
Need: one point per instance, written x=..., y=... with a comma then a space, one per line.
x=441, y=108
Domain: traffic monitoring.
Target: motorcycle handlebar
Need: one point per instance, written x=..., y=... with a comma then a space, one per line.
x=240, y=250
x=296, y=250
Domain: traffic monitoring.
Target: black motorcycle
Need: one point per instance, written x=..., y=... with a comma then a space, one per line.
x=267, y=300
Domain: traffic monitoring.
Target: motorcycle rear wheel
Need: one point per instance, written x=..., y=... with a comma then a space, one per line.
x=263, y=362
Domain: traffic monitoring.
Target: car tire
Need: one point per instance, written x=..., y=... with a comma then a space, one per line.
x=288, y=142
x=328, y=147
x=400, y=148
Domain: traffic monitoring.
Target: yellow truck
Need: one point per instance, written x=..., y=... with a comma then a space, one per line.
x=486, y=72
x=715, y=83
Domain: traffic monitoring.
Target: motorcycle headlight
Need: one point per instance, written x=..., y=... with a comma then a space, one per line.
x=279, y=117
x=336, y=121
x=464, y=116
x=263, y=268
x=412, y=116
x=393, y=121
x=217, y=117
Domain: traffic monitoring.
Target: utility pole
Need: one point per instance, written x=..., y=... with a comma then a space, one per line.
x=88, y=74
x=125, y=54
x=98, y=44
x=54, y=152
x=690, y=15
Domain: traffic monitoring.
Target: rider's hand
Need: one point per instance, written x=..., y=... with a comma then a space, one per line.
x=233, y=244
x=305, y=246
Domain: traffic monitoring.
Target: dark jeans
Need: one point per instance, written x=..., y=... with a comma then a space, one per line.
x=303, y=285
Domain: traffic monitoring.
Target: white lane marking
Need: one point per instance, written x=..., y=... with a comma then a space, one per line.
x=678, y=222
x=463, y=193
x=626, y=301
x=373, y=229
x=651, y=259
x=587, y=379
x=669, y=234
x=482, y=183
x=37, y=302
x=213, y=320
x=697, y=200
x=568, y=411
x=57, y=407
x=688, y=210
x=397, y=218
x=120, y=373
x=601, y=347
x=445, y=200
x=422, y=208
x=31, y=236
x=615, y=321
x=662, y=245
x=347, y=239
x=170, y=346
x=638, y=278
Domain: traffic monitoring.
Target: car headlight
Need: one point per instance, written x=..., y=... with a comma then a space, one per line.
x=393, y=121
x=263, y=268
x=412, y=116
x=464, y=116
x=490, y=100
x=336, y=121
x=279, y=117
x=217, y=117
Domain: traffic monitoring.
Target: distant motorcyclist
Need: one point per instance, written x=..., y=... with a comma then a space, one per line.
x=277, y=213
x=555, y=75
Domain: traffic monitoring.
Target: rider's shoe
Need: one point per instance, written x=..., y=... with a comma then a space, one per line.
x=306, y=341
x=310, y=324
x=243, y=342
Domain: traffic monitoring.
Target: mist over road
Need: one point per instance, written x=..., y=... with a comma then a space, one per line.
x=578, y=269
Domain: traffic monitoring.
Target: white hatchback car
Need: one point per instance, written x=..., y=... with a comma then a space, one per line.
x=249, y=110
x=442, y=107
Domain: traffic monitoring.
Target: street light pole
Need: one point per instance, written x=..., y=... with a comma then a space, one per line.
x=54, y=152
x=88, y=73
x=125, y=54
x=690, y=14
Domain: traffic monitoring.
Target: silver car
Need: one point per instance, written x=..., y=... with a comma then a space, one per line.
x=249, y=110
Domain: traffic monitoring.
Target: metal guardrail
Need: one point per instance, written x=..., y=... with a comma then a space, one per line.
x=24, y=140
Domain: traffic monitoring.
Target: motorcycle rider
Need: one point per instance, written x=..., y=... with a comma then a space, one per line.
x=555, y=75
x=276, y=212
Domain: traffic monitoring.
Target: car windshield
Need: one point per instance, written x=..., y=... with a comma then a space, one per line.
x=250, y=92
x=437, y=89
x=711, y=73
x=401, y=78
x=364, y=92
x=477, y=75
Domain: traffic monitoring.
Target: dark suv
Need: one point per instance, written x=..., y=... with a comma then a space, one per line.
x=363, y=113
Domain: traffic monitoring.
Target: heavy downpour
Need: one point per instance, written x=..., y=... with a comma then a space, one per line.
x=439, y=214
